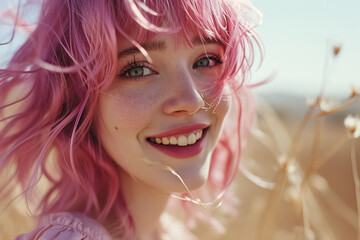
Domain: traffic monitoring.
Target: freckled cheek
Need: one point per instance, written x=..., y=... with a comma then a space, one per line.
x=210, y=86
x=133, y=107
x=223, y=108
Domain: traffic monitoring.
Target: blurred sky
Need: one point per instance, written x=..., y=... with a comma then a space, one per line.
x=297, y=35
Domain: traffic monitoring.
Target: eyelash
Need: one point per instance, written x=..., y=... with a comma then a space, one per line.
x=216, y=58
x=131, y=65
x=134, y=64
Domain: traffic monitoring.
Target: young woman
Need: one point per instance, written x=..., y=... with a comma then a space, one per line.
x=119, y=106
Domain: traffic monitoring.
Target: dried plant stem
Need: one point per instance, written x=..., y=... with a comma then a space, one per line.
x=340, y=208
x=346, y=104
x=310, y=168
x=356, y=181
x=305, y=214
x=280, y=136
x=308, y=173
x=300, y=130
x=276, y=194
x=262, y=232
x=319, y=222
x=330, y=152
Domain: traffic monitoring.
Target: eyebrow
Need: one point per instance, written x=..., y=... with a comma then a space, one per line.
x=196, y=41
x=161, y=46
x=148, y=46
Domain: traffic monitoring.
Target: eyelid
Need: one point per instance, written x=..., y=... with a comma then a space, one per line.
x=133, y=64
x=211, y=56
x=214, y=57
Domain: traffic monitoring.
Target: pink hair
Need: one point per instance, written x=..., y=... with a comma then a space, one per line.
x=69, y=59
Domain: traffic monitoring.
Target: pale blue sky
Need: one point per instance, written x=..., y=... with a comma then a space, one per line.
x=295, y=35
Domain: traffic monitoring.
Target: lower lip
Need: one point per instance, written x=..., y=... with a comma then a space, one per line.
x=182, y=152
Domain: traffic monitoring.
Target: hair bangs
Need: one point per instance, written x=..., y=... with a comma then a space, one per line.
x=229, y=22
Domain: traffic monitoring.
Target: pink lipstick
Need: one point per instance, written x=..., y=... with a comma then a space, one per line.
x=182, y=142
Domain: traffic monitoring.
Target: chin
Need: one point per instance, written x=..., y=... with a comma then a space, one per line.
x=192, y=184
x=193, y=176
x=196, y=184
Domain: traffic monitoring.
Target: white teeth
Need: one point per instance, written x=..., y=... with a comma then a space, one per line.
x=180, y=140
x=191, y=139
x=173, y=140
x=165, y=141
x=198, y=135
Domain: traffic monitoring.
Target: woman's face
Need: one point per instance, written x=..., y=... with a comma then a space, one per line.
x=157, y=113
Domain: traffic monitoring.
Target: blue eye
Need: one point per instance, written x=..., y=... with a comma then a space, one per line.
x=138, y=72
x=209, y=61
x=204, y=62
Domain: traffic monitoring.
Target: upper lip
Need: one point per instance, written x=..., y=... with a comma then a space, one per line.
x=182, y=130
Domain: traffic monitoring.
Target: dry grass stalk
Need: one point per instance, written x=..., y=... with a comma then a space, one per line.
x=307, y=184
x=356, y=181
x=301, y=177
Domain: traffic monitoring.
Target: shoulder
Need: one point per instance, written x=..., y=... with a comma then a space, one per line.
x=67, y=226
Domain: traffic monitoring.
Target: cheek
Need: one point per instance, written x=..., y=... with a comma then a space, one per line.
x=131, y=106
x=210, y=86
x=224, y=107
x=218, y=99
x=221, y=111
x=123, y=114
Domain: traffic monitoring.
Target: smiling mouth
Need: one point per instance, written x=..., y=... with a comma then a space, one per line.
x=179, y=140
x=182, y=145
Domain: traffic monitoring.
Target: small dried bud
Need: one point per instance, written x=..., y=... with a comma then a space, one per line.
x=354, y=92
x=336, y=49
x=329, y=104
x=352, y=124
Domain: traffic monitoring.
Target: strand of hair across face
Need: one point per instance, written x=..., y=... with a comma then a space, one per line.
x=189, y=199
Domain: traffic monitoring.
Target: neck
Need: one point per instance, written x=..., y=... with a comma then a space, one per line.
x=145, y=205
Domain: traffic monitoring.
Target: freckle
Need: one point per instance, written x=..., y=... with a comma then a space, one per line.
x=116, y=128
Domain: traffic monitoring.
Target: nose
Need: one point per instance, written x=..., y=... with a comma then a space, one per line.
x=183, y=96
